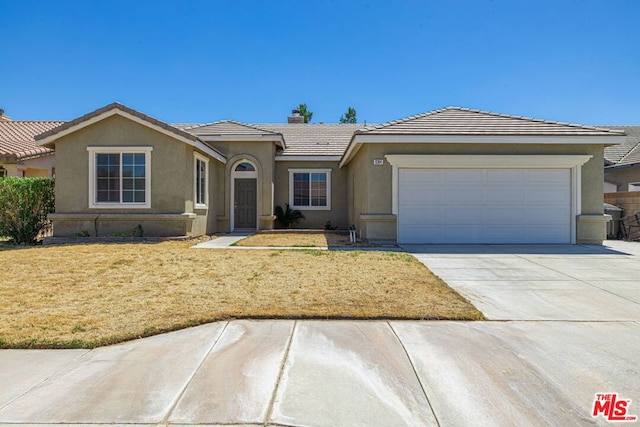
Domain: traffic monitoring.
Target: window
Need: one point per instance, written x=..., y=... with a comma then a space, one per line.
x=201, y=184
x=245, y=167
x=310, y=189
x=3, y=172
x=634, y=186
x=119, y=177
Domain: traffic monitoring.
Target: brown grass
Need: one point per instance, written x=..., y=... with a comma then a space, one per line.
x=96, y=294
x=298, y=240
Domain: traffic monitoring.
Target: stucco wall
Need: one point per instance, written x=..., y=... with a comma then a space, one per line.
x=375, y=181
x=358, y=181
x=34, y=167
x=261, y=154
x=623, y=177
x=315, y=218
x=171, y=173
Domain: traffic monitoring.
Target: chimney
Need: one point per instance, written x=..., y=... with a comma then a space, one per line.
x=295, y=117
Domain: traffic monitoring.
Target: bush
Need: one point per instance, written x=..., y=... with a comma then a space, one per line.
x=287, y=216
x=24, y=206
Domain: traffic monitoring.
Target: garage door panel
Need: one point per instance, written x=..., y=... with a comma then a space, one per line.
x=549, y=175
x=416, y=215
x=507, y=195
x=456, y=216
x=512, y=216
x=546, y=216
x=462, y=176
x=506, y=176
x=548, y=195
x=484, y=206
x=457, y=194
x=421, y=194
x=421, y=175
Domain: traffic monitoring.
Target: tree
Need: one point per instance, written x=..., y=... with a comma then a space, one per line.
x=304, y=112
x=349, y=116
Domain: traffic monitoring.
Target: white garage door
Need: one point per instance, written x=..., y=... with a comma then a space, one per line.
x=484, y=206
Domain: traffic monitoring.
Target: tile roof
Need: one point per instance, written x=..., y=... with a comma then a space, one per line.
x=116, y=105
x=224, y=127
x=628, y=152
x=314, y=139
x=17, y=138
x=464, y=121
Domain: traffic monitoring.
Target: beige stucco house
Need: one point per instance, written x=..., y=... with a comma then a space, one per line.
x=19, y=156
x=452, y=175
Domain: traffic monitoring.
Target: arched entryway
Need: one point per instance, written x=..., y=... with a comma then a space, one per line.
x=244, y=196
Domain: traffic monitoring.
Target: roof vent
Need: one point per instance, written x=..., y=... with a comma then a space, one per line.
x=295, y=117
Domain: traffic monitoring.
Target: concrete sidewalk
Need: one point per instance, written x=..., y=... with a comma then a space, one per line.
x=319, y=373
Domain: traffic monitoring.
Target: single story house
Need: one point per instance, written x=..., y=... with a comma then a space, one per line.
x=452, y=175
x=19, y=156
x=622, y=162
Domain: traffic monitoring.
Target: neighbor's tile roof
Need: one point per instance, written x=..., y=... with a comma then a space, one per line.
x=17, y=138
x=314, y=139
x=628, y=152
x=464, y=121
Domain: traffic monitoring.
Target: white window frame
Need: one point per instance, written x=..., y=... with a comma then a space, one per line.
x=196, y=159
x=327, y=172
x=633, y=186
x=93, y=151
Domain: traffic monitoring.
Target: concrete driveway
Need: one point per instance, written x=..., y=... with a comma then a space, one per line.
x=543, y=369
x=538, y=282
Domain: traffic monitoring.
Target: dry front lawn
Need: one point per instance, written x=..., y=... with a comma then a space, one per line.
x=296, y=239
x=96, y=294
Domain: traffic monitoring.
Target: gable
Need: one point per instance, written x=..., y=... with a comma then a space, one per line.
x=49, y=138
x=454, y=125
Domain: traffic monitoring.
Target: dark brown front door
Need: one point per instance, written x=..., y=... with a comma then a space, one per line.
x=245, y=203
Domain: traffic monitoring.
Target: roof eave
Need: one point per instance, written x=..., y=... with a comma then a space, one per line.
x=277, y=138
x=363, y=137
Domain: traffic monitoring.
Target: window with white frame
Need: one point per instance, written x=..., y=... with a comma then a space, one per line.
x=310, y=189
x=634, y=186
x=119, y=177
x=201, y=181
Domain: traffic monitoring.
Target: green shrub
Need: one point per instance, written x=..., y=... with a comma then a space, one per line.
x=286, y=217
x=24, y=206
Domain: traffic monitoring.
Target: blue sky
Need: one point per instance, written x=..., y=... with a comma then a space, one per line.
x=253, y=61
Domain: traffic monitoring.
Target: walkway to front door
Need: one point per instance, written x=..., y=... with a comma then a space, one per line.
x=245, y=215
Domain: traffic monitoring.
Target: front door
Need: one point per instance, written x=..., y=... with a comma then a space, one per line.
x=244, y=197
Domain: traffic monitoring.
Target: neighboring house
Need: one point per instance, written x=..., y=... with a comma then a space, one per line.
x=622, y=162
x=19, y=154
x=447, y=176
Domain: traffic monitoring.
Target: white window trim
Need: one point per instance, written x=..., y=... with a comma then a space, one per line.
x=92, y=177
x=205, y=160
x=633, y=186
x=310, y=208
